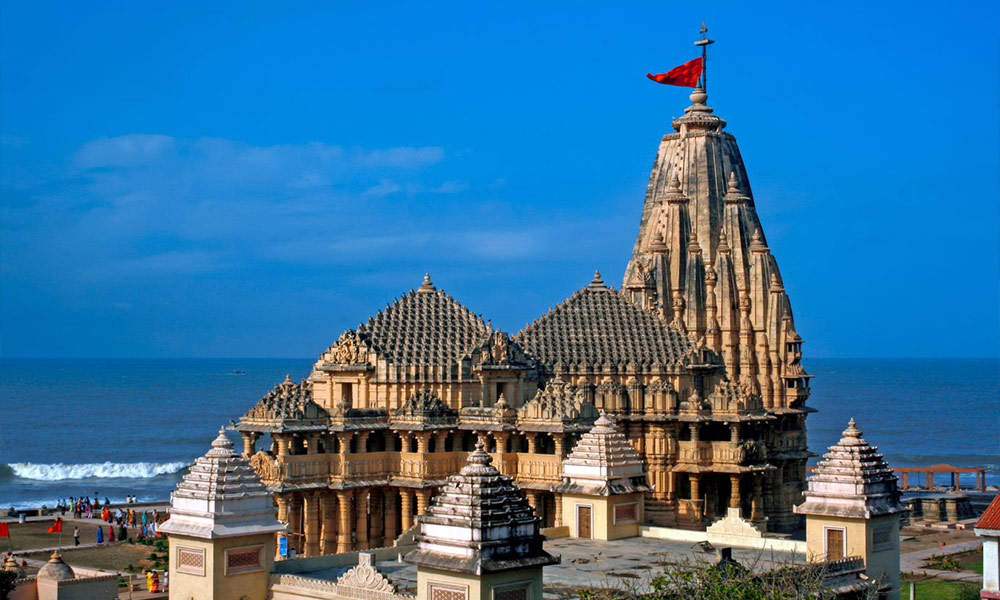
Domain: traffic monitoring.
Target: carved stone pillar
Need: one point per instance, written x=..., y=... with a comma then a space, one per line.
x=532, y=499
x=391, y=497
x=406, y=508
x=363, y=441
x=361, y=514
x=344, y=439
x=328, y=537
x=757, y=508
x=532, y=442
x=295, y=523
x=423, y=442
x=695, y=429
x=696, y=503
x=282, y=443
x=249, y=442
x=311, y=523
x=423, y=499
x=559, y=515
x=560, y=441
x=283, y=517
x=734, y=495
x=377, y=523
x=441, y=438
x=344, y=527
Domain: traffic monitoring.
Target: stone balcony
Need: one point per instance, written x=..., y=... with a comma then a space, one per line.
x=542, y=468
x=710, y=453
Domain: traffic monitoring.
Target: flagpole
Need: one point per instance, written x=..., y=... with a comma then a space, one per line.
x=704, y=42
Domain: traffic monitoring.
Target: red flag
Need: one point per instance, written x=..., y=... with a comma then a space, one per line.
x=685, y=75
x=4, y=530
x=57, y=528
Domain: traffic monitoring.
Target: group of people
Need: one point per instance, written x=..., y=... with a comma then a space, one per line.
x=144, y=523
x=82, y=507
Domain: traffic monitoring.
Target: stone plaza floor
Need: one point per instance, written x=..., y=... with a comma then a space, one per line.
x=617, y=564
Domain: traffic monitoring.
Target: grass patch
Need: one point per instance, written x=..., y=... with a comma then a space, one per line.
x=937, y=589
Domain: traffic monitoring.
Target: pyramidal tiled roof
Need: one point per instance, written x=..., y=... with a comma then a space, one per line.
x=480, y=522
x=604, y=463
x=221, y=496
x=853, y=480
x=990, y=521
x=598, y=326
x=424, y=327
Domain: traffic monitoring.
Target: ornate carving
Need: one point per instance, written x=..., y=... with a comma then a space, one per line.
x=366, y=576
x=559, y=401
x=287, y=401
x=424, y=405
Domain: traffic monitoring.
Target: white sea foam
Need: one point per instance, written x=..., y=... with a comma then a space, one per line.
x=106, y=470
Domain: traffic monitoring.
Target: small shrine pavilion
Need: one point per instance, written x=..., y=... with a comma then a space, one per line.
x=604, y=480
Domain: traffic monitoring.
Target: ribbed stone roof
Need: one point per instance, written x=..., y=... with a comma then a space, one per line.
x=424, y=327
x=221, y=496
x=287, y=401
x=853, y=480
x=604, y=463
x=480, y=522
x=598, y=326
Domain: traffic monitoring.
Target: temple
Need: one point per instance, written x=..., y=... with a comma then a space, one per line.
x=696, y=360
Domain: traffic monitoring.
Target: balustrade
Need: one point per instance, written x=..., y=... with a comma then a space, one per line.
x=539, y=467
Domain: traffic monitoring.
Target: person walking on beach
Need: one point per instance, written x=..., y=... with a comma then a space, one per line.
x=76, y=536
x=119, y=515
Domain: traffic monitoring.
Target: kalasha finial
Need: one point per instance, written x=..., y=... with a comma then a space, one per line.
x=675, y=183
x=734, y=183
x=426, y=287
x=852, y=430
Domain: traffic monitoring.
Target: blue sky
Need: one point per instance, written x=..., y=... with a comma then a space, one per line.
x=250, y=179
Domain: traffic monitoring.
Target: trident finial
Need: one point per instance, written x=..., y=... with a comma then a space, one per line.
x=704, y=42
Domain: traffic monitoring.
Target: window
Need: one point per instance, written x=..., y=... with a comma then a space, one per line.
x=243, y=560
x=835, y=543
x=512, y=591
x=445, y=592
x=191, y=560
x=626, y=513
x=882, y=538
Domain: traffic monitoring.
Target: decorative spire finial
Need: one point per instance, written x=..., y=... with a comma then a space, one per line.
x=426, y=287
x=734, y=184
x=704, y=42
x=675, y=183
x=852, y=430
x=597, y=282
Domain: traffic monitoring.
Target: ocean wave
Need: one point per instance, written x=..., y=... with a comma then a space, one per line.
x=105, y=470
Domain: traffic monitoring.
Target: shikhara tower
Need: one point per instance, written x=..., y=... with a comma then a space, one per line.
x=696, y=360
x=702, y=262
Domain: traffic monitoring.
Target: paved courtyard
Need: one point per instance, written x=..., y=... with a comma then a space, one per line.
x=587, y=563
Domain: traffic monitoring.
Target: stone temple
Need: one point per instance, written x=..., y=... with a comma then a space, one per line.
x=696, y=359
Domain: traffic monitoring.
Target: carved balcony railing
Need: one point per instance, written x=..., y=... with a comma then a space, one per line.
x=539, y=467
x=366, y=465
x=428, y=466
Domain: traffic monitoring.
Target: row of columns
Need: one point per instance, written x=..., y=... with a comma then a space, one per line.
x=338, y=521
x=735, y=495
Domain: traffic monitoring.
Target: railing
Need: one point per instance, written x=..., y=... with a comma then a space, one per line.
x=306, y=466
x=695, y=452
x=366, y=465
x=545, y=467
x=430, y=466
x=707, y=453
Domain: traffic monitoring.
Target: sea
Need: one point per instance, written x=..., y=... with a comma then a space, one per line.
x=114, y=428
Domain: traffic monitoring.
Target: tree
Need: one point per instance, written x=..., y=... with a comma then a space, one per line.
x=730, y=581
